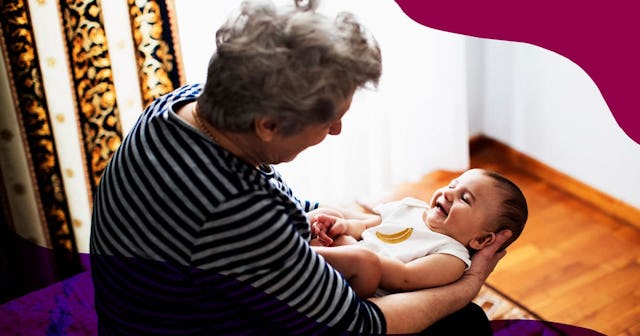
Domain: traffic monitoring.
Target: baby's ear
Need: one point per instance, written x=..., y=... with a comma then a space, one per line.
x=483, y=240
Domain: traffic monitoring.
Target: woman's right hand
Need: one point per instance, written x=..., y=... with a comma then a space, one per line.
x=484, y=261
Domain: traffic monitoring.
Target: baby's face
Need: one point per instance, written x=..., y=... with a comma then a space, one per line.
x=465, y=208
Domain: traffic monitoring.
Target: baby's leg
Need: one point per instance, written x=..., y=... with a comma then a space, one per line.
x=360, y=266
x=337, y=241
x=342, y=240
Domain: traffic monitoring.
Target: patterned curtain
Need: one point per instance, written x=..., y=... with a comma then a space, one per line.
x=74, y=76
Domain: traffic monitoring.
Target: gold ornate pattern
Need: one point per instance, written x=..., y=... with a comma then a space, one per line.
x=26, y=79
x=93, y=81
x=153, y=29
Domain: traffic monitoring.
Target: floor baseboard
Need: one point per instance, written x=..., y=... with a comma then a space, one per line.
x=483, y=145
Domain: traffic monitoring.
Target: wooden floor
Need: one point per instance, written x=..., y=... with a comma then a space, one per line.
x=573, y=264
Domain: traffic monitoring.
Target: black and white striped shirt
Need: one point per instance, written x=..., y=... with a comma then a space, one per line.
x=188, y=239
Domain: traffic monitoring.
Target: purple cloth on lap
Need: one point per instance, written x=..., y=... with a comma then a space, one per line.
x=64, y=308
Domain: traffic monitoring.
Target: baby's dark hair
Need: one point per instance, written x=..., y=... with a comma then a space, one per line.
x=513, y=211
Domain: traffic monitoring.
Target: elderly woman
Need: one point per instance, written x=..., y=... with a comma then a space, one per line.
x=194, y=232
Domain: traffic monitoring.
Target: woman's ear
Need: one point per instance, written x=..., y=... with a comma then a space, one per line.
x=483, y=240
x=265, y=128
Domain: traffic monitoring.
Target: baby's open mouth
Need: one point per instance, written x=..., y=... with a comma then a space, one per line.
x=441, y=208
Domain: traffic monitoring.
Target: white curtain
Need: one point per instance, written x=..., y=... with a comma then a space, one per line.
x=414, y=123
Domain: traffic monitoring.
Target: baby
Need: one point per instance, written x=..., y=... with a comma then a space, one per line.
x=416, y=244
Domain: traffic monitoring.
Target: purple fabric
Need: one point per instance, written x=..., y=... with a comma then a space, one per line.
x=64, y=308
x=538, y=328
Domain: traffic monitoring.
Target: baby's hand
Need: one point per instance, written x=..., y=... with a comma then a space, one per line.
x=327, y=227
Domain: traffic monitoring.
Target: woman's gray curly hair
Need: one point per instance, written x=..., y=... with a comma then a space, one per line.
x=294, y=66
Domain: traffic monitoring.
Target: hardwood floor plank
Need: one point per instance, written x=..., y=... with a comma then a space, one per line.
x=575, y=263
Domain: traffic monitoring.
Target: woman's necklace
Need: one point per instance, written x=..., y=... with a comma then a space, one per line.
x=204, y=126
x=207, y=129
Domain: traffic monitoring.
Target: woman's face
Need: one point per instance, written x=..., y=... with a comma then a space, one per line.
x=286, y=148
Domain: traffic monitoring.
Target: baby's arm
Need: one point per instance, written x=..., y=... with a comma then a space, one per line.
x=425, y=272
x=359, y=266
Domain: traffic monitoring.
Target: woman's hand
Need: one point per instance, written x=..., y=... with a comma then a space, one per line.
x=484, y=261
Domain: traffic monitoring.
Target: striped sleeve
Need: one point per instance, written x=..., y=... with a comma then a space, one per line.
x=251, y=241
x=278, y=183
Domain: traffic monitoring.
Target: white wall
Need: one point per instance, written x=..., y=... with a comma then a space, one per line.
x=388, y=135
x=544, y=105
x=534, y=100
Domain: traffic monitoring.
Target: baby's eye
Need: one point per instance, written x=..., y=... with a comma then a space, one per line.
x=466, y=199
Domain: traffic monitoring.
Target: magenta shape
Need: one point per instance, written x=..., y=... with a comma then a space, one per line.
x=602, y=38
